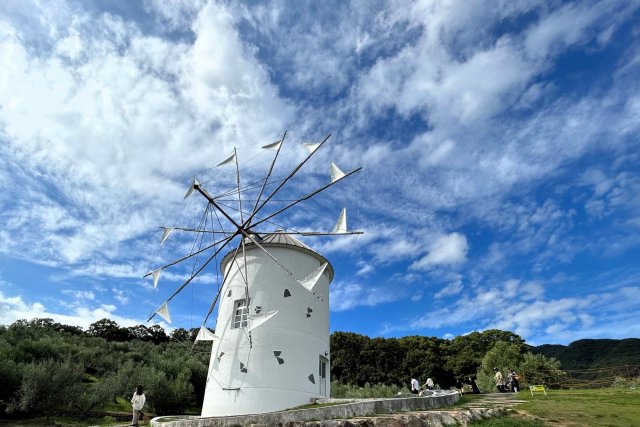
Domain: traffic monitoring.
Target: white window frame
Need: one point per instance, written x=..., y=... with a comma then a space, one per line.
x=240, y=314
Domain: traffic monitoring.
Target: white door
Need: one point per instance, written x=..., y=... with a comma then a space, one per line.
x=322, y=374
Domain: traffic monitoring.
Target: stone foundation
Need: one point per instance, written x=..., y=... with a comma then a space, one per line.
x=362, y=412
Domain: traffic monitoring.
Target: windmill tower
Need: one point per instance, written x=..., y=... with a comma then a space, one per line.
x=273, y=351
x=270, y=349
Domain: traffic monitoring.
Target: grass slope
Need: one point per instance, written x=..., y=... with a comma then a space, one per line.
x=610, y=407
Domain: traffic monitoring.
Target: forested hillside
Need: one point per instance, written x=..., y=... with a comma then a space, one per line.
x=594, y=362
x=593, y=353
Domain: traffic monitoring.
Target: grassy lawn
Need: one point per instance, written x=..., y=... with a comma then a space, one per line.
x=597, y=407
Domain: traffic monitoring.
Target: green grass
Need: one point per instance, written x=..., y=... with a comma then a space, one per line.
x=508, y=422
x=609, y=407
x=120, y=405
x=591, y=407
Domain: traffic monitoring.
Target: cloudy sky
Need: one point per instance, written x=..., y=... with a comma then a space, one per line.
x=499, y=142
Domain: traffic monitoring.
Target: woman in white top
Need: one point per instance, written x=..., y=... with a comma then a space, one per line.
x=137, y=401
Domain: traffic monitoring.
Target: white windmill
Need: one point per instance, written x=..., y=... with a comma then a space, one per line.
x=270, y=349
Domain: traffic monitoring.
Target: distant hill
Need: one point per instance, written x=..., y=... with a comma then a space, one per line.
x=593, y=362
x=593, y=353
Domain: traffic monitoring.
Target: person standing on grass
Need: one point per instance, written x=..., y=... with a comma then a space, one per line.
x=415, y=386
x=513, y=381
x=137, y=401
x=499, y=380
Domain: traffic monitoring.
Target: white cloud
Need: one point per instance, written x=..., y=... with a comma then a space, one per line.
x=346, y=296
x=79, y=295
x=16, y=308
x=450, y=289
x=120, y=115
x=450, y=249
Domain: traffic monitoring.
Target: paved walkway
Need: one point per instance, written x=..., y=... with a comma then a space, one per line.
x=490, y=400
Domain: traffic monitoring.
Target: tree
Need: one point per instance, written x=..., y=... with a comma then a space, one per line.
x=49, y=385
x=537, y=369
x=503, y=355
x=140, y=332
x=158, y=335
x=109, y=330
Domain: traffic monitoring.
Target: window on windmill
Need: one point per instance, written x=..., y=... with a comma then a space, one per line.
x=240, y=313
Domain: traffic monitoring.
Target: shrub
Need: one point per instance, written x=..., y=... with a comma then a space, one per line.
x=49, y=385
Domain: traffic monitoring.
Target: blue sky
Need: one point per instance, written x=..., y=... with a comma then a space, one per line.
x=499, y=144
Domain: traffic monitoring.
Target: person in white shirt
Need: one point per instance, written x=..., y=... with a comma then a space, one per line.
x=499, y=380
x=137, y=401
x=429, y=384
x=415, y=386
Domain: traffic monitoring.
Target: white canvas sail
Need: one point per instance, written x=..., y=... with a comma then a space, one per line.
x=193, y=186
x=274, y=146
x=228, y=160
x=166, y=234
x=206, y=335
x=310, y=281
x=341, y=225
x=311, y=146
x=163, y=312
x=156, y=276
x=336, y=173
x=260, y=320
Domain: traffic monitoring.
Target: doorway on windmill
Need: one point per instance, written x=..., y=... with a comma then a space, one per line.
x=322, y=375
x=240, y=313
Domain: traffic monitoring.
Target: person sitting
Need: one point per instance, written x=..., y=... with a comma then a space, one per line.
x=429, y=384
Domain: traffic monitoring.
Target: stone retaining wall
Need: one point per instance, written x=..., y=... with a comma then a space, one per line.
x=315, y=417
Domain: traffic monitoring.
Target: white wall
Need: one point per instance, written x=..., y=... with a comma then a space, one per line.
x=267, y=385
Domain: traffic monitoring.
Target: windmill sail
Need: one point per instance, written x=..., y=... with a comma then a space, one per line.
x=166, y=234
x=206, y=335
x=311, y=146
x=260, y=320
x=336, y=173
x=156, y=277
x=193, y=186
x=310, y=281
x=341, y=225
x=273, y=146
x=163, y=312
x=228, y=160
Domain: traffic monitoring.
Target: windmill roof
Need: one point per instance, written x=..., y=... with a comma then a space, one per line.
x=284, y=239
x=280, y=239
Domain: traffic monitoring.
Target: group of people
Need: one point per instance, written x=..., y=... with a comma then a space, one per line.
x=510, y=384
x=415, y=385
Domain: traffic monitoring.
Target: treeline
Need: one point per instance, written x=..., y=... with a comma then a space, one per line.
x=48, y=366
x=357, y=359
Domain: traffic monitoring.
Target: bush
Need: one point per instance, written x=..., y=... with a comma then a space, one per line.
x=622, y=382
x=537, y=369
x=49, y=385
x=339, y=390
